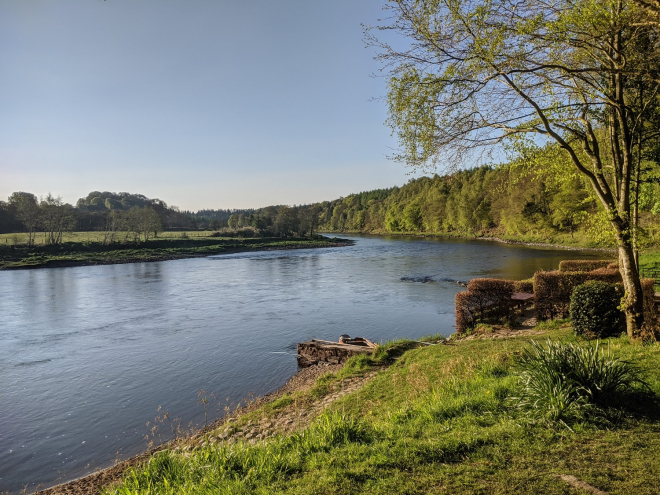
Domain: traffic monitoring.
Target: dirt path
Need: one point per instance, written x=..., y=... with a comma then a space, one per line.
x=524, y=324
x=290, y=418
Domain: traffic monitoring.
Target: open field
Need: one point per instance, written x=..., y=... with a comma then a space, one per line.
x=86, y=248
x=22, y=238
x=419, y=419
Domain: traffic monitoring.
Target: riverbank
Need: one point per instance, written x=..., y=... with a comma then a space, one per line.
x=566, y=243
x=414, y=418
x=91, y=484
x=16, y=257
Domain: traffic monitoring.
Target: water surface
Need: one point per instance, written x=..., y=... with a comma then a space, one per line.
x=88, y=354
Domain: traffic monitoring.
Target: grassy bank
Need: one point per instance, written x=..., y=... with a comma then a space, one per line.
x=87, y=248
x=555, y=239
x=433, y=419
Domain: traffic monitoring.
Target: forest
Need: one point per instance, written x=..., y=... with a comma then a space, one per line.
x=535, y=197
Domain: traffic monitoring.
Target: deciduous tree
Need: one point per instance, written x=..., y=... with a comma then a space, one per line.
x=478, y=72
x=27, y=211
x=56, y=217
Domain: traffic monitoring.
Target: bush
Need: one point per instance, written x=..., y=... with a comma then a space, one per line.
x=565, y=382
x=594, y=310
x=553, y=290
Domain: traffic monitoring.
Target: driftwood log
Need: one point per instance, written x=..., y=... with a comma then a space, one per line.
x=322, y=351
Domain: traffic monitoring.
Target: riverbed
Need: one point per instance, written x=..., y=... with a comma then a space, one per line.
x=89, y=354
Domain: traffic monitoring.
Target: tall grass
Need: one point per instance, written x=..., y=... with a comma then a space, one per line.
x=242, y=467
x=566, y=382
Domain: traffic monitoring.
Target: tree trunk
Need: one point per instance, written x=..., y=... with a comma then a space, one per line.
x=634, y=304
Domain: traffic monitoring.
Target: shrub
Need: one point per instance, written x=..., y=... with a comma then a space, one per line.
x=564, y=382
x=553, y=289
x=584, y=265
x=594, y=310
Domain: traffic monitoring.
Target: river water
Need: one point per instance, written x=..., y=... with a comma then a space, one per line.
x=88, y=354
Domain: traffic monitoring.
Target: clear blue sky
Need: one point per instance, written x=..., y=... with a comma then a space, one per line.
x=204, y=104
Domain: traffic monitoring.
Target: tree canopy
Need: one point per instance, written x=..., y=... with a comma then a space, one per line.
x=581, y=74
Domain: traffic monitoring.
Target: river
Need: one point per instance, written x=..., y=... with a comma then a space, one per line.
x=88, y=354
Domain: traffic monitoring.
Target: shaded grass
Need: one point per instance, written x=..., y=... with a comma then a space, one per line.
x=437, y=420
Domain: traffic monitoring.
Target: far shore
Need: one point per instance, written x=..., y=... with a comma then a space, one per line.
x=547, y=245
x=144, y=254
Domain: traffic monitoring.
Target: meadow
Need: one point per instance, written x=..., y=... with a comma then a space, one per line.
x=96, y=236
x=89, y=248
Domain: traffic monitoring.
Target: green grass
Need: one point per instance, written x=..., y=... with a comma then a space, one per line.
x=86, y=248
x=437, y=420
x=580, y=239
x=22, y=238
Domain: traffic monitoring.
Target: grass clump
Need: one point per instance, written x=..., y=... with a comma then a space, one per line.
x=565, y=382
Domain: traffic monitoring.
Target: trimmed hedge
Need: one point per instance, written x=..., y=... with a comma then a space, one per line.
x=524, y=286
x=487, y=299
x=595, y=310
x=650, y=329
x=553, y=289
x=584, y=265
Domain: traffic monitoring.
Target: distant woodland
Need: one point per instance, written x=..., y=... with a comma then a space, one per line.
x=539, y=197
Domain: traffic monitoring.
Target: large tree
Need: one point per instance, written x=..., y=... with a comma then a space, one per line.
x=472, y=74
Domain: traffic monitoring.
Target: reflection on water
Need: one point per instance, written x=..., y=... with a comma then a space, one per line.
x=88, y=354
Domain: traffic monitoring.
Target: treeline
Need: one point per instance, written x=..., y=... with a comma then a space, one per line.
x=468, y=202
x=94, y=211
x=134, y=215
x=275, y=221
x=539, y=197
x=218, y=219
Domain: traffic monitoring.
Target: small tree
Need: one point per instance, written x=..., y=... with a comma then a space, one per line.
x=142, y=222
x=309, y=219
x=56, y=218
x=27, y=212
x=287, y=221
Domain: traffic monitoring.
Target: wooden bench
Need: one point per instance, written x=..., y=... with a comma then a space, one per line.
x=521, y=298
